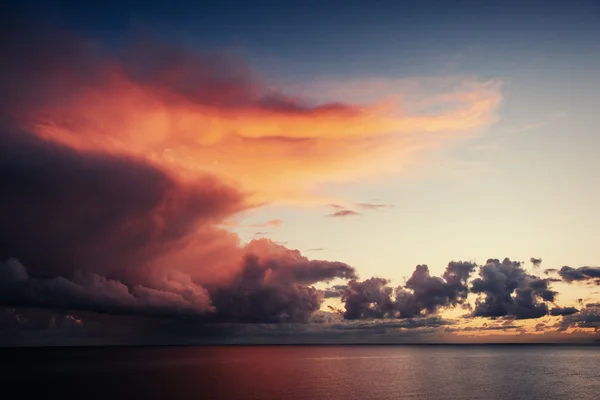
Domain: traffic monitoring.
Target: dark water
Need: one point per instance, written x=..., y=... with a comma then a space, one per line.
x=320, y=372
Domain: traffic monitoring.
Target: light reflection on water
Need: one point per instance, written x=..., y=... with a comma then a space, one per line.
x=304, y=372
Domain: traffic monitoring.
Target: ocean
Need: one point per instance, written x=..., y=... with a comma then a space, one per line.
x=470, y=372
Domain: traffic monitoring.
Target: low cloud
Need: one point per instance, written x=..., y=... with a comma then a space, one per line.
x=275, y=287
x=563, y=311
x=48, y=327
x=588, y=274
x=422, y=294
x=91, y=292
x=588, y=317
x=509, y=291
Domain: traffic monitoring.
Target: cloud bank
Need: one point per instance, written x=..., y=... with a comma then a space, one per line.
x=119, y=169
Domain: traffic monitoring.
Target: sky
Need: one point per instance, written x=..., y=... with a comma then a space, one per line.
x=307, y=171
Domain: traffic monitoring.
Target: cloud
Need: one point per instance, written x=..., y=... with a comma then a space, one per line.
x=272, y=223
x=430, y=293
x=334, y=291
x=570, y=275
x=535, y=261
x=63, y=210
x=421, y=295
x=47, y=327
x=105, y=213
x=484, y=328
x=509, y=291
x=120, y=169
x=91, y=292
x=329, y=294
x=563, y=311
x=139, y=241
x=194, y=112
x=588, y=317
x=343, y=213
x=367, y=299
x=371, y=206
x=273, y=285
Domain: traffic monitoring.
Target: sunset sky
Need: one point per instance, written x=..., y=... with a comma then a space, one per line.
x=210, y=171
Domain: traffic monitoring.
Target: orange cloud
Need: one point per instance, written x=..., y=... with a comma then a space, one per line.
x=193, y=114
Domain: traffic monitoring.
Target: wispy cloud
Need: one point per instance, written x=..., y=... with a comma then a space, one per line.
x=273, y=223
x=344, y=213
x=373, y=206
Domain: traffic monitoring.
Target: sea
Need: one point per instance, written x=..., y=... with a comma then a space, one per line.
x=466, y=372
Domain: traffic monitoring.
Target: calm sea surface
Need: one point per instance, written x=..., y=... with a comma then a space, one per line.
x=304, y=372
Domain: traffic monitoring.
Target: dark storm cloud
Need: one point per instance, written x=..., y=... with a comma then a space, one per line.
x=269, y=291
x=429, y=293
x=91, y=292
x=509, y=291
x=569, y=274
x=367, y=299
x=84, y=223
x=265, y=291
x=64, y=210
x=563, y=311
x=422, y=294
